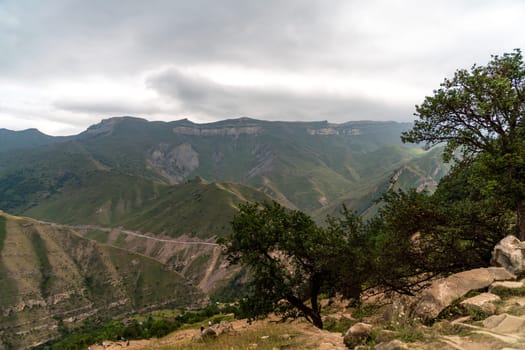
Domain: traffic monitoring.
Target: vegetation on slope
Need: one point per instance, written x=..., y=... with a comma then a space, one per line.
x=303, y=165
x=51, y=276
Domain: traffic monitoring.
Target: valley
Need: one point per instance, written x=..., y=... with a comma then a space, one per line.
x=126, y=215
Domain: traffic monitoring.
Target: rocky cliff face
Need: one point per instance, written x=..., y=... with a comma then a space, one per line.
x=175, y=163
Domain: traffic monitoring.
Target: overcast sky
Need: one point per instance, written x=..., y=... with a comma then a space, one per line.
x=67, y=64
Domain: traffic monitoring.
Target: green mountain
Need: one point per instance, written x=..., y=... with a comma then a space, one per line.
x=308, y=166
x=29, y=138
x=195, y=208
x=145, y=202
x=53, y=279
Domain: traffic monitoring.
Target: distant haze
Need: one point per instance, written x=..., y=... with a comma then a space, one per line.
x=66, y=64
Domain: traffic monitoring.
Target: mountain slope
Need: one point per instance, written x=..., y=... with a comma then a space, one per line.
x=305, y=165
x=195, y=208
x=397, y=168
x=51, y=276
x=30, y=138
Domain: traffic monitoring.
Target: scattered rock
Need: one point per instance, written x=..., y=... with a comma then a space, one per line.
x=359, y=333
x=444, y=291
x=265, y=337
x=509, y=253
x=252, y=346
x=391, y=345
x=285, y=336
x=224, y=327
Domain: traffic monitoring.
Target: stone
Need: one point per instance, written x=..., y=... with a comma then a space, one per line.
x=483, y=301
x=357, y=334
x=395, y=344
x=506, y=285
x=444, y=291
x=506, y=324
x=510, y=254
x=208, y=333
x=501, y=274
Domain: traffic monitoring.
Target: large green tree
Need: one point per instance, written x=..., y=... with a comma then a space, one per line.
x=478, y=115
x=291, y=260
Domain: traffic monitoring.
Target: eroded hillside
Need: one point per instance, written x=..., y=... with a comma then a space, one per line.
x=54, y=279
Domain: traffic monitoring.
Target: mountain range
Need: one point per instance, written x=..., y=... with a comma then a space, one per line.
x=161, y=193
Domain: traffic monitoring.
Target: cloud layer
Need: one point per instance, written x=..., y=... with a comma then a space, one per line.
x=67, y=63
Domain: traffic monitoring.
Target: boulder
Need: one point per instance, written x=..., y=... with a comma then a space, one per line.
x=484, y=302
x=506, y=285
x=510, y=254
x=209, y=333
x=444, y=291
x=358, y=334
x=506, y=324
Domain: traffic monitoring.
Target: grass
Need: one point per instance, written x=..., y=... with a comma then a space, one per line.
x=99, y=236
x=338, y=325
x=267, y=337
x=504, y=292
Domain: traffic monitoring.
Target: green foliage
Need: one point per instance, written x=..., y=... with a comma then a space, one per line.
x=456, y=310
x=136, y=327
x=364, y=310
x=418, y=235
x=504, y=292
x=338, y=325
x=291, y=260
x=478, y=114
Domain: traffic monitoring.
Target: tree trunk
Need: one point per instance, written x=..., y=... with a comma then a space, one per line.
x=312, y=316
x=521, y=220
x=317, y=321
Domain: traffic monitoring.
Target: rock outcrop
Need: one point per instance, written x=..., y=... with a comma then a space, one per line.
x=444, y=291
x=510, y=254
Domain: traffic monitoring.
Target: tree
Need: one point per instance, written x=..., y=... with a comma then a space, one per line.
x=291, y=260
x=478, y=115
x=419, y=236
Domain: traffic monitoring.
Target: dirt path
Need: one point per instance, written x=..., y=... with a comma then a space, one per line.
x=84, y=228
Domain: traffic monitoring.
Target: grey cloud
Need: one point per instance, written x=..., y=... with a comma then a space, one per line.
x=217, y=101
x=72, y=37
x=106, y=108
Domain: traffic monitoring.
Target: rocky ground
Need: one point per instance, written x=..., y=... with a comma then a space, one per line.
x=480, y=309
x=505, y=330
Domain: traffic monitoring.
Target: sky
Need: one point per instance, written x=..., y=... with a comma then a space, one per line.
x=67, y=64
